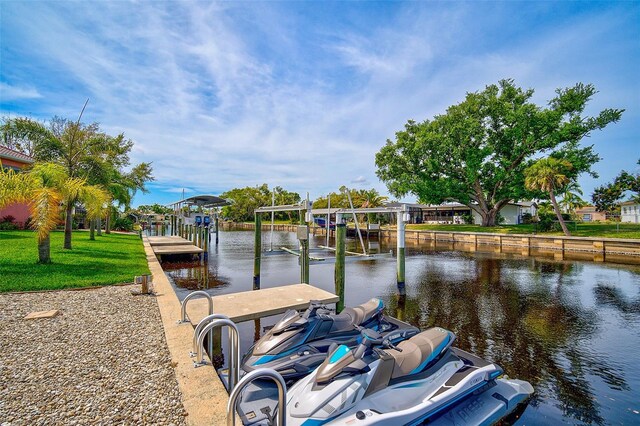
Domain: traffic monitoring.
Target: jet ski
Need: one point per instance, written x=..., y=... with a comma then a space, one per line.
x=299, y=342
x=422, y=379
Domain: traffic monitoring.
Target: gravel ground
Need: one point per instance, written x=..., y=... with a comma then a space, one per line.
x=103, y=361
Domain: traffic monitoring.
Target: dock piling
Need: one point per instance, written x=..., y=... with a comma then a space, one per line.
x=303, y=237
x=217, y=227
x=400, y=251
x=257, y=250
x=339, y=273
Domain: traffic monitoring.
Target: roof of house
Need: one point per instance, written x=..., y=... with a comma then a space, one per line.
x=445, y=206
x=586, y=209
x=629, y=203
x=15, y=155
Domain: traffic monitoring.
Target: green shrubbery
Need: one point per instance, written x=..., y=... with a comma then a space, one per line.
x=123, y=224
x=6, y=223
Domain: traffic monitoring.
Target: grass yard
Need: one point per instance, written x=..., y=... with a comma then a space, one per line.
x=604, y=230
x=110, y=259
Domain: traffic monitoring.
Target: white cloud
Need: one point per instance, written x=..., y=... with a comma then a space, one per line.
x=9, y=92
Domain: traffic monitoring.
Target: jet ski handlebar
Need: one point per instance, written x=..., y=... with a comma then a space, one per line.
x=370, y=339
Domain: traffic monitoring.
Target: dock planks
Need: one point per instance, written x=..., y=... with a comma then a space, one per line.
x=181, y=249
x=168, y=241
x=254, y=304
x=172, y=245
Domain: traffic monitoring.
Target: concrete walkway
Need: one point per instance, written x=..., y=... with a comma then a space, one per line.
x=203, y=395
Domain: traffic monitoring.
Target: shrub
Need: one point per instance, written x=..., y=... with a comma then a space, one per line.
x=467, y=218
x=123, y=224
x=527, y=218
x=6, y=223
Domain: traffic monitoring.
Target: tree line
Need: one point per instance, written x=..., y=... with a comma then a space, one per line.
x=247, y=199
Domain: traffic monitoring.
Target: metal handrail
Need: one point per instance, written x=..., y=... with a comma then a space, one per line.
x=262, y=373
x=234, y=348
x=183, y=307
x=196, y=332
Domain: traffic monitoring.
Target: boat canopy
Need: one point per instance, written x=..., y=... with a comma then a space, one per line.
x=201, y=201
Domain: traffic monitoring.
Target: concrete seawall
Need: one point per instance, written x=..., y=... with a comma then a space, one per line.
x=424, y=238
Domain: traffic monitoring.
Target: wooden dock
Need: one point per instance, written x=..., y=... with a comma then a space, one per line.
x=172, y=246
x=254, y=304
x=168, y=241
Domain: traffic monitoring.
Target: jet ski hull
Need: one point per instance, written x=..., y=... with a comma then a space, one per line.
x=459, y=389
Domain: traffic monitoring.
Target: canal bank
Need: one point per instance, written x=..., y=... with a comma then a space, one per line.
x=468, y=241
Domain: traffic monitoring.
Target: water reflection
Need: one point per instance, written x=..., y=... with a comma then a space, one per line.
x=535, y=330
x=190, y=276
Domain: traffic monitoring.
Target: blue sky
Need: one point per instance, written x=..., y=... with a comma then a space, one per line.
x=303, y=94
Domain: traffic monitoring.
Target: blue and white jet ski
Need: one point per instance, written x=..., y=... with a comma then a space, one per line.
x=299, y=342
x=422, y=379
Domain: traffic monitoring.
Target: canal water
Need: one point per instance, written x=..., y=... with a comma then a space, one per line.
x=569, y=327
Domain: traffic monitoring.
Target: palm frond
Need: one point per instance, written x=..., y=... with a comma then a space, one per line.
x=45, y=210
x=95, y=199
x=14, y=187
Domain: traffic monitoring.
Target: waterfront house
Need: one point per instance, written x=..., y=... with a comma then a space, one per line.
x=454, y=213
x=590, y=214
x=17, y=161
x=630, y=212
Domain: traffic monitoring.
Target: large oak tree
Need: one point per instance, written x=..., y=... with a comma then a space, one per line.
x=477, y=151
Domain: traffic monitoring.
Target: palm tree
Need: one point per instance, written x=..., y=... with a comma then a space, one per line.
x=44, y=188
x=372, y=198
x=83, y=151
x=549, y=174
x=571, y=197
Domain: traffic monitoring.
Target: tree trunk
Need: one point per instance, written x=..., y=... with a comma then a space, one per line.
x=44, y=250
x=489, y=218
x=558, y=213
x=92, y=229
x=107, y=224
x=99, y=226
x=68, y=224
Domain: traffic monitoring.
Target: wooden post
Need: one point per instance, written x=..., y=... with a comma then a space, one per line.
x=400, y=252
x=304, y=258
x=257, y=250
x=217, y=228
x=339, y=272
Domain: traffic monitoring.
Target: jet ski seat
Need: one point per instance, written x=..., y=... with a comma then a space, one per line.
x=419, y=351
x=358, y=315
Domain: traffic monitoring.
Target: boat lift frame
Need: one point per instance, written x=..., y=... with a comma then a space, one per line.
x=402, y=217
x=204, y=201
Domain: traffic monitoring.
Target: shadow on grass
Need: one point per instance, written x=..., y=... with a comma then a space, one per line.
x=6, y=236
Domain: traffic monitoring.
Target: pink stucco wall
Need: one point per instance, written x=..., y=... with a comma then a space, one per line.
x=19, y=211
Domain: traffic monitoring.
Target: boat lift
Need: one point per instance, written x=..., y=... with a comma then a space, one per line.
x=303, y=236
x=189, y=223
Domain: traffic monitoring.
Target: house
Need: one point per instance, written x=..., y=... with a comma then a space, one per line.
x=454, y=213
x=17, y=161
x=630, y=212
x=590, y=214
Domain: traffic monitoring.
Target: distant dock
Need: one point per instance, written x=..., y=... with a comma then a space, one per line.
x=173, y=246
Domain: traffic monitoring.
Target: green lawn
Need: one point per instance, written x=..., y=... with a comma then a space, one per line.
x=605, y=230
x=110, y=259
